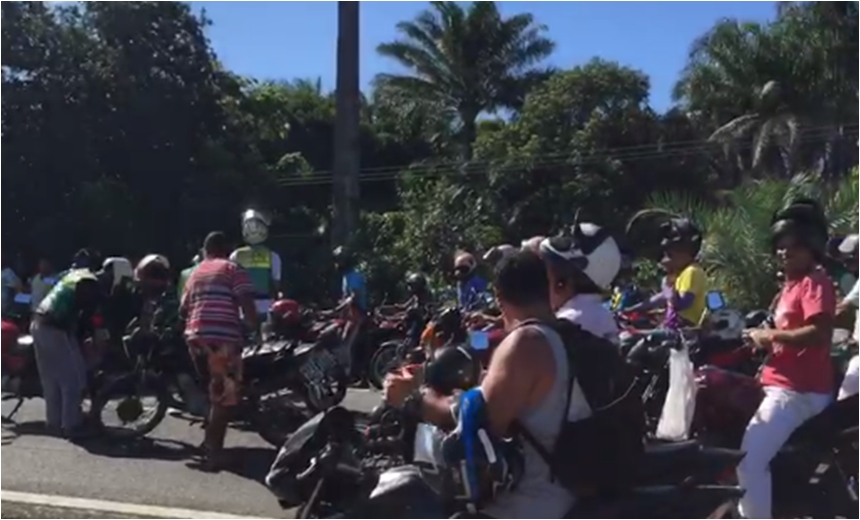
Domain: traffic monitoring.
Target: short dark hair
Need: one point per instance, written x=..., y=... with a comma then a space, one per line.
x=216, y=245
x=521, y=279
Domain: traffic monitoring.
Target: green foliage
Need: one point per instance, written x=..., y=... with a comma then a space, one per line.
x=123, y=132
x=736, y=250
x=467, y=61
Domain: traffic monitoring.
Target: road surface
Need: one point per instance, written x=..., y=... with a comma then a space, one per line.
x=153, y=473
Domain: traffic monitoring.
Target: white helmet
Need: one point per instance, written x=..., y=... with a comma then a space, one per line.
x=499, y=252
x=587, y=248
x=149, y=261
x=726, y=324
x=255, y=227
x=532, y=243
x=119, y=269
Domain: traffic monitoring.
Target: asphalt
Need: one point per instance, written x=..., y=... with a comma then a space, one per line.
x=152, y=472
x=9, y=509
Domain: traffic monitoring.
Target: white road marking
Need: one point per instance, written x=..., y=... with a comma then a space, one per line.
x=106, y=506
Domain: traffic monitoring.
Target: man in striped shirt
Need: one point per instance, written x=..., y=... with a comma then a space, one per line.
x=216, y=297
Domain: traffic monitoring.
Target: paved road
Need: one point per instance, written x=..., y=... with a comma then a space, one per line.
x=152, y=473
x=21, y=510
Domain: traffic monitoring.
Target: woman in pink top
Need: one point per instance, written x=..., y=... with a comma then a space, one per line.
x=798, y=376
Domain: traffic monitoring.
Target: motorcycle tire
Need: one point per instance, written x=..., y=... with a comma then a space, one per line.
x=275, y=425
x=380, y=365
x=120, y=386
x=338, y=379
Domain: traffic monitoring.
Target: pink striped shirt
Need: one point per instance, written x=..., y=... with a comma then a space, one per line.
x=211, y=299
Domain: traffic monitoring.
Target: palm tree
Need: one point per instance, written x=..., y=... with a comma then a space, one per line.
x=737, y=232
x=467, y=61
x=763, y=87
x=774, y=128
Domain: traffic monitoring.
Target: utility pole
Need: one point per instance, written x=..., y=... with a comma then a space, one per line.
x=347, y=154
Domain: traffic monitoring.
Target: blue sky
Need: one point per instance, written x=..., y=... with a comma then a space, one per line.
x=286, y=40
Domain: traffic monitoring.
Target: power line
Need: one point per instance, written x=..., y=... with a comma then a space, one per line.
x=652, y=151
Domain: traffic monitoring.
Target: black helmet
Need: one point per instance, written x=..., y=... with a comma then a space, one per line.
x=416, y=283
x=343, y=256
x=452, y=368
x=803, y=218
x=681, y=231
x=449, y=323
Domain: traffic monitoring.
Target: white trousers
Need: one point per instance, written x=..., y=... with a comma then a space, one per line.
x=781, y=412
x=850, y=383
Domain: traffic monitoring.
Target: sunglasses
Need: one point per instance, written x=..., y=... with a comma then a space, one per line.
x=461, y=269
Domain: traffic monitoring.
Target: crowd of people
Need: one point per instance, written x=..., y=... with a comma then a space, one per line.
x=226, y=294
x=563, y=278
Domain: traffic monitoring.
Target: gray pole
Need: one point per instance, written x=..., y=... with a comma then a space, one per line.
x=347, y=155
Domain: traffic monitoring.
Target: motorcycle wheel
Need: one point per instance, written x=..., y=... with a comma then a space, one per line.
x=275, y=419
x=331, y=393
x=132, y=388
x=380, y=364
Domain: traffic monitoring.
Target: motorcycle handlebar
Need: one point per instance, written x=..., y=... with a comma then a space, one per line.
x=326, y=463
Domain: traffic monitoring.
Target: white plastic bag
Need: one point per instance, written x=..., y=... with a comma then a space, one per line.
x=677, y=416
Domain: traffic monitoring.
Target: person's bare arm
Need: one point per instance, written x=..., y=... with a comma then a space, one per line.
x=249, y=310
x=520, y=374
x=816, y=332
x=436, y=409
x=243, y=290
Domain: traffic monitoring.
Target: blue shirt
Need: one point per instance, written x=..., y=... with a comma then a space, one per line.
x=470, y=293
x=354, y=283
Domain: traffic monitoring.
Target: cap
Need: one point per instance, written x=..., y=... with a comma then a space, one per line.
x=849, y=245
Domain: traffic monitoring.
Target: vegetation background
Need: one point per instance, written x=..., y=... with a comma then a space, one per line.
x=122, y=131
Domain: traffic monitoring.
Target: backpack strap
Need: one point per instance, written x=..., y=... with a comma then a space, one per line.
x=572, y=376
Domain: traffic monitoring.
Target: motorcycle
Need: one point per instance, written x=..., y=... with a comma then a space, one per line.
x=273, y=373
x=20, y=372
x=815, y=472
x=392, y=353
x=320, y=468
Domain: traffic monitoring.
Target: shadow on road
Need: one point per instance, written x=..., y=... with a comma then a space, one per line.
x=251, y=463
x=145, y=448
x=12, y=430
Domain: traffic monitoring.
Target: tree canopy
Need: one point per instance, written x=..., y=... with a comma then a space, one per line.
x=122, y=131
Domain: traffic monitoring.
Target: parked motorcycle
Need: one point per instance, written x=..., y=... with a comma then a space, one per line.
x=274, y=374
x=320, y=468
x=20, y=372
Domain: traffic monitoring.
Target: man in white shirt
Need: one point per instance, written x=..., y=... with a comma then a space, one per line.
x=852, y=374
x=582, y=265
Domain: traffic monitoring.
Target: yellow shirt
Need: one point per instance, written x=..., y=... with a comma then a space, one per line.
x=693, y=280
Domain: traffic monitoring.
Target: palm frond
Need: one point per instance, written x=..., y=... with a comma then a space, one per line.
x=735, y=128
x=736, y=250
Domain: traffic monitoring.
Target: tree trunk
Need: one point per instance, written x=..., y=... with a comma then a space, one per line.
x=347, y=156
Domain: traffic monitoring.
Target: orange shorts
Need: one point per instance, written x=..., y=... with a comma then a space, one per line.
x=224, y=363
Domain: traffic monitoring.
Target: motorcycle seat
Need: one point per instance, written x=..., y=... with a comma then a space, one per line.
x=330, y=336
x=825, y=427
x=660, y=461
x=671, y=448
x=679, y=463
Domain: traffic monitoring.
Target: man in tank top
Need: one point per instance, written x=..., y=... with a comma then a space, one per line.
x=526, y=382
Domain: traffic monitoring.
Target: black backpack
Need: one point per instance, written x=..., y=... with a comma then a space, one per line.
x=597, y=455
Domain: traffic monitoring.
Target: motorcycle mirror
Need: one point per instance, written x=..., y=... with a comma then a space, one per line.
x=715, y=301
